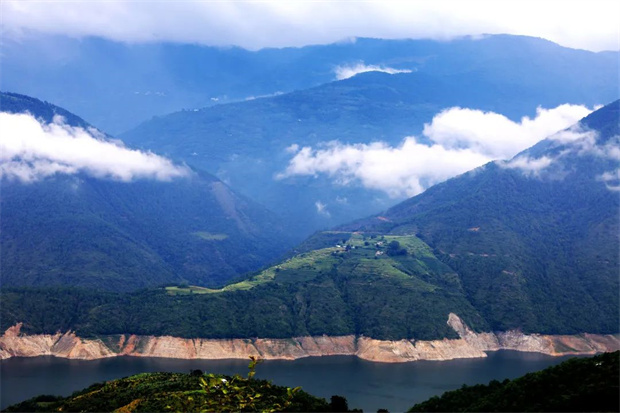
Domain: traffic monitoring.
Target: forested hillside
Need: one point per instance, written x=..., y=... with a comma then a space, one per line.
x=75, y=229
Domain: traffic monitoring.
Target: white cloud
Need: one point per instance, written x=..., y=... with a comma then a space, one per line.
x=347, y=71
x=321, y=209
x=404, y=170
x=292, y=149
x=529, y=166
x=497, y=136
x=587, y=145
x=585, y=142
x=30, y=150
x=591, y=25
x=461, y=139
x=611, y=179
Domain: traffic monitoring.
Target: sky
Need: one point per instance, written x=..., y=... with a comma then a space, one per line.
x=592, y=25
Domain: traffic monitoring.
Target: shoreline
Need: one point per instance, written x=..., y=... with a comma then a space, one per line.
x=469, y=345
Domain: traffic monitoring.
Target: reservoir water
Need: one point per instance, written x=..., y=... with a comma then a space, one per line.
x=366, y=385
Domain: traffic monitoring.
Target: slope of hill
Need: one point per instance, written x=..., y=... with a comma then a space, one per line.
x=368, y=288
x=160, y=392
x=247, y=144
x=45, y=111
x=576, y=385
x=534, y=248
x=74, y=229
x=503, y=248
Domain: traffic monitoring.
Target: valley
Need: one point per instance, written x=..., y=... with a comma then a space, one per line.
x=203, y=191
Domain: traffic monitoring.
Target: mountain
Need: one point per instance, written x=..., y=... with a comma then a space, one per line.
x=247, y=144
x=84, y=231
x=335, y=290
x=118, y=85
x=529, y=244
x=535, y=249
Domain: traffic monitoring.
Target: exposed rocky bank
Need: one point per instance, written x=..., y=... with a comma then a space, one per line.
x=470, y=345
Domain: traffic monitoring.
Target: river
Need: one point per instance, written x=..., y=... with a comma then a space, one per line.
x=366, y=385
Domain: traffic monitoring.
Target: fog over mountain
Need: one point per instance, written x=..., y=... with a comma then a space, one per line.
x=97, y=214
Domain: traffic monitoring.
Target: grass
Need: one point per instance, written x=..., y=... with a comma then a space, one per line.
x=208, y=236
x=310, y=264
x=190, y=289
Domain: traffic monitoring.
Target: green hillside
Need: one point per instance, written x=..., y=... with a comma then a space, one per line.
x=537, y=252
x=194, y=392
x=499, y=247
x=388, y=287
x=76, y=230
x=576, y=385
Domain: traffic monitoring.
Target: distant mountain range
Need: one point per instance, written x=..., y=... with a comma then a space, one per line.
x=116, y=86
x=84, y=231
x=245, y=144
x=529, y=244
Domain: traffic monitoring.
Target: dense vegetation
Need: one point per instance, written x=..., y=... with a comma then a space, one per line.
x=537, y=252
x=577, y=385
x=44, y=111
x=500, y=248
x=87, y=232
x=353, y=288
x=194, y=392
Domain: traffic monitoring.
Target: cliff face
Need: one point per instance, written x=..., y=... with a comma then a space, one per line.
x=469, y=345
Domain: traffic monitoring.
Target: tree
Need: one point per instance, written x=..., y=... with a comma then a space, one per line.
x=394, y=249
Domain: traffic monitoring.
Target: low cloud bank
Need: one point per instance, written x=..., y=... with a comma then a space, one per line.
x=529, y=166
x=611, y=179
x=270, y=23
x=495, y=135
x=346, y=71
x=30, y=151
x=461, y=139
x=407, y=169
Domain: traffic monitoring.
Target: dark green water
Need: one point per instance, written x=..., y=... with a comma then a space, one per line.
x=366, y=385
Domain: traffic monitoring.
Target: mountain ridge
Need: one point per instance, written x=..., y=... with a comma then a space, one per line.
x=105, y=233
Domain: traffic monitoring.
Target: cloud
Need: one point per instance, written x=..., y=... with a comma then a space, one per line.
x=529, y=166
x=591, y=25
x=588, y=145
x=321, y=209
x=30, y=151
x=347, y=71
x=611, y=179
x=460, y=140
x=497, y=136
x=407, y=169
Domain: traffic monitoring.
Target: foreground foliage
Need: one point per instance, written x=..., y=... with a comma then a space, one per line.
x=194, y=392
x=581, y=385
